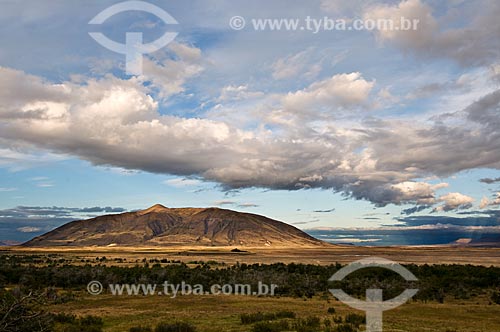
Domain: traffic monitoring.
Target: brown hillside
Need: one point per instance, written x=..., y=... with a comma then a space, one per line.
x=161, y=226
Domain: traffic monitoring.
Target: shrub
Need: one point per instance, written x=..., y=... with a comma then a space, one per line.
x=259, y=316
x=255, y=317
x=495, y=297
x=345, y=328
x=20, y=313
x=355, y=319
x=91, y=321
x=285, y=314
x=175, y=327
x=309, y=324
x=70, y=323
x=278, y=326
x=331, y=310
x=140, y=329
x=64, y=318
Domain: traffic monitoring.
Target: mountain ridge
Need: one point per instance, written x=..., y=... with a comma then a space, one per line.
x=163, y=226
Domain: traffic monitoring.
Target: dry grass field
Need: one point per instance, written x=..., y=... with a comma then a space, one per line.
x=322, y=256
x=221, y=313
x=214, y=313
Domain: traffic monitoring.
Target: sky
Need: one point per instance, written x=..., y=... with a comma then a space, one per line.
x=322, y=128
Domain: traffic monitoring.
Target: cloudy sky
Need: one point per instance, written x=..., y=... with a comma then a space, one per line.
x=318, y=128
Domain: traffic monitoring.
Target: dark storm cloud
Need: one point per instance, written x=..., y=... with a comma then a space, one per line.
x=489, y=180
x=324, y=211
x=106, y=209
x=39, y=211
x=471, y=218
x=305, y=222
x=415, y=209
x=24, y=222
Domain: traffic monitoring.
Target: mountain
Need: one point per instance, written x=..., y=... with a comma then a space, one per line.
x=484, y=241
x=4, y=243
x=162, y=226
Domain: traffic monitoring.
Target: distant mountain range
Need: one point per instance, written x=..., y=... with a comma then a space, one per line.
x=162, y=226
x=8, y=243
x=489, y=240
x=402, y=236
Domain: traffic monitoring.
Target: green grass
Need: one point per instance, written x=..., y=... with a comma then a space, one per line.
x=222, y=313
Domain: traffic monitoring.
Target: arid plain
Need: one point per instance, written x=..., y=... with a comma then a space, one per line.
x=328, y=254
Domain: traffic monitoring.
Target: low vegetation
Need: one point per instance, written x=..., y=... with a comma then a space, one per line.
x=260, y=316
x=25, y=312
x=436, y=282
x=48, y=294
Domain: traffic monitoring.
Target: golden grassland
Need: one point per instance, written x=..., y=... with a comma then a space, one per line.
x=322, y=256
x=222, y=313
x=213, y=313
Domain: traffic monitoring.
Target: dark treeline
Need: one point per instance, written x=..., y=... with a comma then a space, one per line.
x=436, y=282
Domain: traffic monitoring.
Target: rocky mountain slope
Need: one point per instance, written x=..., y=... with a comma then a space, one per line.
x=161, y=226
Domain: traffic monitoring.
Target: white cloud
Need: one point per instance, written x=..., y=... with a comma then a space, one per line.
x=28, y=229
x=15, y=160
x=169, y=75
x=120, y=171
x=484, y=202
x=116, y=122
x=418, y=192
x=39, y=178
x=287, y=134
x=224, y=202
x=496, y=201
x=495, y=72
x=182, y=182
x=45, y=185
x=338, y=91
x=454, y=201
x=235, y=93
x=296, y=64
x=42, y=182
x=409, y=9
x=4, y=189
x=342, y=7
x=239, y=205
x=469, y=44
x=247, y=205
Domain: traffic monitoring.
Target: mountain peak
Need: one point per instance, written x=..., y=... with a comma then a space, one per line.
x=162, y=226
x=155, y=208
